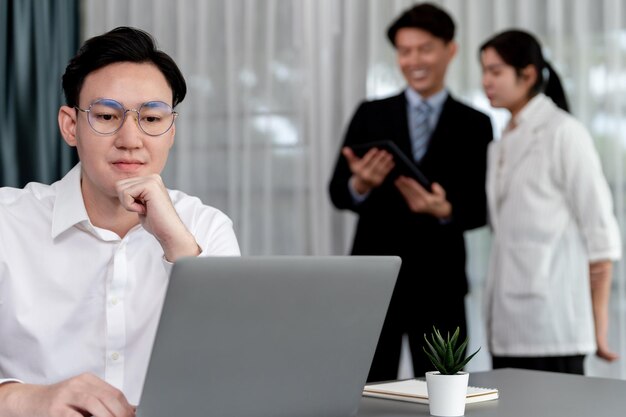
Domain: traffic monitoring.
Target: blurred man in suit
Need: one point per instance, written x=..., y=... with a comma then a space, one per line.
x=448, y=141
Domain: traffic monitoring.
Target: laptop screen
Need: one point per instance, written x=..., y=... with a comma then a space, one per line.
x=267, y=336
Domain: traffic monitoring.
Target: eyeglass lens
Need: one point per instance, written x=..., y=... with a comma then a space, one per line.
x=106, y=116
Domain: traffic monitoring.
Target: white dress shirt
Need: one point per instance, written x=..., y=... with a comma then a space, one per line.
x=75, y=298
x=551, y=212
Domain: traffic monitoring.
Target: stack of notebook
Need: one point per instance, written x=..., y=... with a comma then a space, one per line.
x=414, y=390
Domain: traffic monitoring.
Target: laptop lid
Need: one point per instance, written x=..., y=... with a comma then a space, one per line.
x=267, y=336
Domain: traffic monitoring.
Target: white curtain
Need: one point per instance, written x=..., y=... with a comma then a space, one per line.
x=273, y=83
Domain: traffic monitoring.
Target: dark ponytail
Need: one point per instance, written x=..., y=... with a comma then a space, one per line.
x=519, y=49
x=554, y=89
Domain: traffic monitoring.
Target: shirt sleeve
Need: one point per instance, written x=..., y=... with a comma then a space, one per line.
x=588, y=192
x=356, y=197
x=215, y=234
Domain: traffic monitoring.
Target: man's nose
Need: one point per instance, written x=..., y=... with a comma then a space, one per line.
x=130, y=134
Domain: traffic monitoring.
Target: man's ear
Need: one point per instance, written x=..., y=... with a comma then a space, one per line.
x=452, y=47
x=67, y=124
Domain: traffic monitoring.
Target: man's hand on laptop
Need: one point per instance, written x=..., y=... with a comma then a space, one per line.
x=83, y=395
x=148, y=197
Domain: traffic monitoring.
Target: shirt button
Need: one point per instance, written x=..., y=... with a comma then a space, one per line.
x=115, y=356
x=114, y=301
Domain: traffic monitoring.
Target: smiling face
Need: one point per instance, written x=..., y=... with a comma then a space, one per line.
x=423, y=59
x=504, y=87
x=129, y=152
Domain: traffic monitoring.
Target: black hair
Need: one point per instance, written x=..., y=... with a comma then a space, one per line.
x=520, y=49
x=425, y=16
x=122, y=44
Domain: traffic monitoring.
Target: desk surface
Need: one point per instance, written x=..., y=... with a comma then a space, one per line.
x=525, y=394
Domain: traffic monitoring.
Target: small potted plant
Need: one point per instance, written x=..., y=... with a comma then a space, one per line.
x=447, y=386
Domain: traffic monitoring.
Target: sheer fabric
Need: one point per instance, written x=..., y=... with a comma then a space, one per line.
x=37, y=38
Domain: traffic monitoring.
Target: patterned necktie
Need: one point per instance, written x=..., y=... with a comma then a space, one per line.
x=421, y=130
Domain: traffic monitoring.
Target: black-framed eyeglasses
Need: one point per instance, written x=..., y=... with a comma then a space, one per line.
x=106, y=116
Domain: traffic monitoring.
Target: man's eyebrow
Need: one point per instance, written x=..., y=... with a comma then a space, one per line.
x=420, y=46
x=493, y=66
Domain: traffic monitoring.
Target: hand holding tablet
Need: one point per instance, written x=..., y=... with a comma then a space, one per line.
x=403, y=164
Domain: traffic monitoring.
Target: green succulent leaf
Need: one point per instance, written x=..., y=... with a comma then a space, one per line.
x=449, y=358
x=446, y=355
x=439, y=347
x=431, y=348
x=458, y=354
x=462, y=364
x=442, y=343
x=434, y=360
x=455, y=336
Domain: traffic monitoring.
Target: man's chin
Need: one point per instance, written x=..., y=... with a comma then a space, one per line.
x=422, y=87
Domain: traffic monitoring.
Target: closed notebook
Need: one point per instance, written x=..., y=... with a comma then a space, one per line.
x=414, y=390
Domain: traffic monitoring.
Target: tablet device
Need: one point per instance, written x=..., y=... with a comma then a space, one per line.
x=403, y=164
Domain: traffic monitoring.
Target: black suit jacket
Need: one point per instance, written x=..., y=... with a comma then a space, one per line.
x=432, y=252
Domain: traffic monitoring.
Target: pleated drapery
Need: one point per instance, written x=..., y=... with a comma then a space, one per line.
x=273, y=83
x=37, y=37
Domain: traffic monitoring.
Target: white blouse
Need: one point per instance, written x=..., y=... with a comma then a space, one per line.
x=551, y=212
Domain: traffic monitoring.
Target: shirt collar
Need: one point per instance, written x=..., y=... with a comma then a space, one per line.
x=530, y=109
x=435, y=101
x=69, y=207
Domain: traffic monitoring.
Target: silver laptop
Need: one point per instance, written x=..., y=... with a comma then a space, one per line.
x=267, y=336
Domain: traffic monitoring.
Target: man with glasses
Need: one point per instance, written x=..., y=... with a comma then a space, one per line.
x=84, y=262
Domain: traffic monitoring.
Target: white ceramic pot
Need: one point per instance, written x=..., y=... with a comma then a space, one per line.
x=446, y=393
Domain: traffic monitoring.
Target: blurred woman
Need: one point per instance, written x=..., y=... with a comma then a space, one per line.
x=551, y=212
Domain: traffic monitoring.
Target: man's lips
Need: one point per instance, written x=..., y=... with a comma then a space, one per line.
x=128, y=165
x=418, y=74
